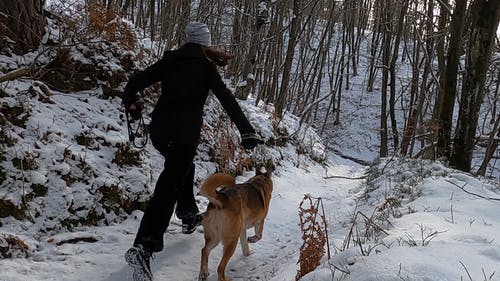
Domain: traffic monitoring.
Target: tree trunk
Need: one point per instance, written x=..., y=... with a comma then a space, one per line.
x=485, y=17
x=441, y=58
x=392, y=72
x=125, y=6
x=292, y=41
x=491, y=148
x=386, y=58
x=184, y=9
x=413, y=112
x=247, y=79
x=449, y=91
x=152, y=17
x=236, y=41
x=419, y=93
x=374, y=46
x=24, y=22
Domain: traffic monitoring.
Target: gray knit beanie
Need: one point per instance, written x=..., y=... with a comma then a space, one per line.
x=197, y=32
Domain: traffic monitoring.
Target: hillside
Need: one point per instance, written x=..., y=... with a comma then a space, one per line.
x=67, y=162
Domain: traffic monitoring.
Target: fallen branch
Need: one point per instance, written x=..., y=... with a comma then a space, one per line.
x=76, y=240
x=88, y=238
x=472, y=193
x=347, y=178
x=353, y=159
x=15, y=74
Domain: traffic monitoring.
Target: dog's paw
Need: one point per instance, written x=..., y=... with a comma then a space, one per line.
x=248, y=253
x=203, y=276
x=253, y=239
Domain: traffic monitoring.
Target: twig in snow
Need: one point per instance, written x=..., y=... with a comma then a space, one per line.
x=466, y=270
x=472, y=193
x=347, y=178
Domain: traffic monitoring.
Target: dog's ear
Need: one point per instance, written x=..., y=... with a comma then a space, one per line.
x=267, y=171
x=258, y=171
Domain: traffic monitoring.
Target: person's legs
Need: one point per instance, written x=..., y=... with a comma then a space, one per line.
x=177, y=166
x=149, y=238
x=186, y=207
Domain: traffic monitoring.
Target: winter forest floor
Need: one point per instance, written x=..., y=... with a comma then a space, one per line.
x=389, y=219
x=433, y=230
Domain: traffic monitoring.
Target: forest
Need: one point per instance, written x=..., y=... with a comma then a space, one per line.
x=385, y=111
x=434, y=65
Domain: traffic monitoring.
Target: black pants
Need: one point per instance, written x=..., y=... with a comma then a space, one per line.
x=175, y=185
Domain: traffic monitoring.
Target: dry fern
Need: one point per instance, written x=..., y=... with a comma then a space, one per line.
x=314, y=234
x=12, y=247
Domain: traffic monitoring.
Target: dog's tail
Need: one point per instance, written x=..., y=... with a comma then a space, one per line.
x=212, y=185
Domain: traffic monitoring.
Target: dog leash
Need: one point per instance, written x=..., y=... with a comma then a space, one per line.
x=139, y=132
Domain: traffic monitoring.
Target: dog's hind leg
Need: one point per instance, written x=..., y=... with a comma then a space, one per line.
x=210, y=244
x=259, y=228
x=244, y=242
x=227, y=253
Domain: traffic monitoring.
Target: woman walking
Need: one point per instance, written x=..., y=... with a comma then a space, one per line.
x=186, y=74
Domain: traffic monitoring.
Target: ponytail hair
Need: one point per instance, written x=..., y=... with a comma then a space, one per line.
x=219, y=56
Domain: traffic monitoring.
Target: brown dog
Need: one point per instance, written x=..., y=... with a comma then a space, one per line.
x=233, y=208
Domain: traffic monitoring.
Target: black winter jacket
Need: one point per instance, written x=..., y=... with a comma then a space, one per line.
x=186, y=77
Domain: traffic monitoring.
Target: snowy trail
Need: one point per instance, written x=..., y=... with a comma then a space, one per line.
x=282, y=238
x=270, y=260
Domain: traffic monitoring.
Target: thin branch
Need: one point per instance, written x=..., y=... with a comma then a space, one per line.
x=466, y=270
x=347, y=178
x=472, y=193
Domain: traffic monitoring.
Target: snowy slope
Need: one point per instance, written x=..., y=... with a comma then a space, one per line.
x=102, y=259
x=70, y=171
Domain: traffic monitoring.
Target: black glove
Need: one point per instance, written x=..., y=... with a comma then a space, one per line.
x=134, y=110
x=250, y=140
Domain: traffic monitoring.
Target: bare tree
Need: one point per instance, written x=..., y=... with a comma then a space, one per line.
x=392, y=70
x=447, y=104
x=24, y=22
x=272, y=56
x=247, y=79
x=290, y=51
x=484, y=22
x=423, y=53
x=375, y=50
x=491, y=147
x=386, y=58
x=305, y=57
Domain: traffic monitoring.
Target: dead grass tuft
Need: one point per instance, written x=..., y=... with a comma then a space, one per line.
x=12, y=247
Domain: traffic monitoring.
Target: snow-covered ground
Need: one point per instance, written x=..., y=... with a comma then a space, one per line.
x=103, y=259
x=410, y=220
x=423, y=221
x=435, y=223
x=442, y=233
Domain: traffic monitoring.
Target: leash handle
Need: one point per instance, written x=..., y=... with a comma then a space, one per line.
x=139, y=131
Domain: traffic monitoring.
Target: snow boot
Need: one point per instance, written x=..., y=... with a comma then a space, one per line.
x=139, y=259
x=189, y=225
